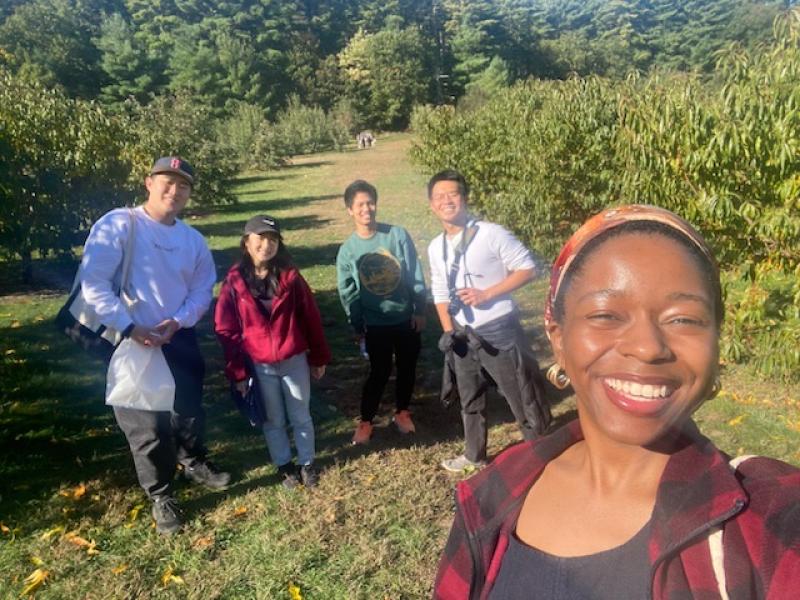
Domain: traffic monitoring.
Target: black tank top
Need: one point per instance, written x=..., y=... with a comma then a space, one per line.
x=621, y=573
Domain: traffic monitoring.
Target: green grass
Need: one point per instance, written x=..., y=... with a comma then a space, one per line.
x=375, y=526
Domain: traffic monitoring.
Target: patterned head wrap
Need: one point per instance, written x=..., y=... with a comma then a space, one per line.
x=608, y=219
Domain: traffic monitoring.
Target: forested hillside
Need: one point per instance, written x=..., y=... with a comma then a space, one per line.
x=381, y=55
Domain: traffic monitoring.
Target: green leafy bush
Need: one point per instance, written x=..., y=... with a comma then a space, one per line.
x=537, y=155
x=240, y=131
x=62, y=166
x=724, y=153
x=301, y=129
x=178, y=125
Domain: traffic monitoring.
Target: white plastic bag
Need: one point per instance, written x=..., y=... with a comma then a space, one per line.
x=139, y=377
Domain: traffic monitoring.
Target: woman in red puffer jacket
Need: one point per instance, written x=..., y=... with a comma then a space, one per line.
x=271, y=332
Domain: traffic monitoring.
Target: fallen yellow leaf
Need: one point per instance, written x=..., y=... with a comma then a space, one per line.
x=4, y=528
x=294, y=592
x=39, y=319
x=74, y=538
x=170, y=577
x=37, y=561
x=10, y=352
x=79, y=491
x=119, y=569
x=239, y=511
x=50, y=533
x=736, y=421
x=34, y=581
x=134, y=512
x=203, y=542
x=793, y=425
x=16, y=325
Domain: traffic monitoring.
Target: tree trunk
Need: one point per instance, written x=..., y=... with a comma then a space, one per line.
x=27, y=266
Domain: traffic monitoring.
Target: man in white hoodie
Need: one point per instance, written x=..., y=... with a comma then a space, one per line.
x=171, y=277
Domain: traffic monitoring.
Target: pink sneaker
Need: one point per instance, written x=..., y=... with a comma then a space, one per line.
x=363, y=432
x=403, y=422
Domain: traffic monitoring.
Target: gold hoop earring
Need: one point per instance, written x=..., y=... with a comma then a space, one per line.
x=716, y=388
x=557, y=376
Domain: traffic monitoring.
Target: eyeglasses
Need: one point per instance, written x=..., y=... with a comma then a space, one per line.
x=446, y=196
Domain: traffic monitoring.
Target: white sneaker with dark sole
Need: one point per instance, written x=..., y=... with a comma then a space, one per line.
x=462, y=463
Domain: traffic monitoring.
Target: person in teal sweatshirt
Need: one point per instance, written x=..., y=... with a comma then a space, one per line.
x=383, y=293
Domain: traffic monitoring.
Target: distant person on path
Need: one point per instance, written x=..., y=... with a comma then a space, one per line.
x=475, y=265
x=270, y=329
x=171, y=277
x=365, y=139
x=382, y=290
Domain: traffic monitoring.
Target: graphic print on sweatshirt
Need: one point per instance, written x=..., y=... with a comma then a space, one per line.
x=379, y=272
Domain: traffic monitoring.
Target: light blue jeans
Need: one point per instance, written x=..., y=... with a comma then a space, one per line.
x=286, y=391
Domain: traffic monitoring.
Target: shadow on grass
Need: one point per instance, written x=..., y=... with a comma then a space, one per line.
x=246, y=193
x=51, y=276
x=278, y=173
x=234, y=228
x=248, y=208
x=305, y=165
x=54, y=428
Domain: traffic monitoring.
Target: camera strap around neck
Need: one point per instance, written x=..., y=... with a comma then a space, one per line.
x=470, y=230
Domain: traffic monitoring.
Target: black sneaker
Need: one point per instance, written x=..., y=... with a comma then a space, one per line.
x=289, y=476
x=206, y=473
x=309, y=476
x=167, y=515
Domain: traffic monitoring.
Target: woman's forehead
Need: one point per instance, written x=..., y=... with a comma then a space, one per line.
x=643, y=258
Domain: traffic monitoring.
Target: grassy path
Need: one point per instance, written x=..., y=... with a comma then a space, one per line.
x=376, y=524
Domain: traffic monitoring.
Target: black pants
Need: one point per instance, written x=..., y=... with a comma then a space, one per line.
x=383, y=342
x=476, y=367
x=160, y=439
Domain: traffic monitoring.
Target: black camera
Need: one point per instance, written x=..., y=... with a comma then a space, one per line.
x=456, y=304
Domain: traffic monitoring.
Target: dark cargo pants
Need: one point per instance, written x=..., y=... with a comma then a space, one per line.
x=514, y=371
x=160, y=439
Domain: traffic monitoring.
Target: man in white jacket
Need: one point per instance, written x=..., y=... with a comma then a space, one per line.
x=170, y=279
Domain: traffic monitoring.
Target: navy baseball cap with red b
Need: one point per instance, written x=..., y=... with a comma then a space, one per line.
x=173, y=164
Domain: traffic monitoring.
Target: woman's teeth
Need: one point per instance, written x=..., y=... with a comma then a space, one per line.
x=639, y=390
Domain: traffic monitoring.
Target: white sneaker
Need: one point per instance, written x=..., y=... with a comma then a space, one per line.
x=462, y=463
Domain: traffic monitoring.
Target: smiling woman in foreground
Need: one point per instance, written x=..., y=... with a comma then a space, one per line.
x=629, y=500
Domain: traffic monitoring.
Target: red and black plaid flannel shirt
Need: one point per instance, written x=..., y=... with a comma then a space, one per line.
x=758, y=508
